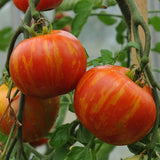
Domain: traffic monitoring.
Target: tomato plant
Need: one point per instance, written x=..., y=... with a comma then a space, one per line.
x=113, y=107
x=43, y=4
x=38, y=116
x=112, y=103
x=48, y=65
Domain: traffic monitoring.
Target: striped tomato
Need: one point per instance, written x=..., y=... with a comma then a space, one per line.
x=39, y=115
x=43, y=4
x=113, y=107
x=48, y=65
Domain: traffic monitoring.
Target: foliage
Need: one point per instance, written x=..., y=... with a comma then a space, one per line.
x=72, y=141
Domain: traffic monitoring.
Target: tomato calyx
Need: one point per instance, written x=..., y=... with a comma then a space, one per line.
x=136, y=75
x=39, y=28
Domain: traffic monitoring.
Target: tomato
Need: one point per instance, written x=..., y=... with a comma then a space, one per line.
x=43, y=4
x=48, y=65
x=39, y=115
x=112, y=107
x=41, y=141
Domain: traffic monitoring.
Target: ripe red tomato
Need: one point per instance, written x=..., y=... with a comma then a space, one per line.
x=43, y=4
x=41, y=141
x=39, y=115
x=48, y=65
x=113, y=107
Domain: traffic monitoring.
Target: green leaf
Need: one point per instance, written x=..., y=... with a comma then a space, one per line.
x=104, y=151
x=107, y=19
x=106, y=56
x=61, y=23
x=83, y=135
x=3, y=138
x=155, y=22
x=121, y=27
x=5, y=38
x=120, y=38
x=156, y=48
x=60, y=153
x=82, y=10
x=79, y=153
x=95, y=62
x=156, y=70
x=60, y=136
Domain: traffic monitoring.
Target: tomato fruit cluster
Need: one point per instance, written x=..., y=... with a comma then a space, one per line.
x=39, y=115
x=48, y=65
x=43, y=4
x=113, y=107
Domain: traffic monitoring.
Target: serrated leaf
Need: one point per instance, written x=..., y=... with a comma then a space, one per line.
x=60, y=136
x=61, y=23
x=107, y=19
x=155, y=22
x=156, y=48
x=106, y=56
x=79, y=153
x=82, y=10
x=5, y=38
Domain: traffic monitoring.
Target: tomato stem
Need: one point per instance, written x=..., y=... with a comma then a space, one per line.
x=35, y=14
x=20, y=149
x=7, y=143
x=11, y=46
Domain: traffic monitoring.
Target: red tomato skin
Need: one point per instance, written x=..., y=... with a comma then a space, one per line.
x=42, y=6
x=112, y=107
x=39, y=142
x=48, y=65
x=39, y=115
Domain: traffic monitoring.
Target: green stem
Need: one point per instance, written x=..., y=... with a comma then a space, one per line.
x=155, y=128
x=32, y=150
x=20, y=149
x=91, y=143
x=126, y=13
x=155, y=11
x=11, y=148
x=32, y=5
x=11, y=46
x=137, y=20
x=7, y=143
